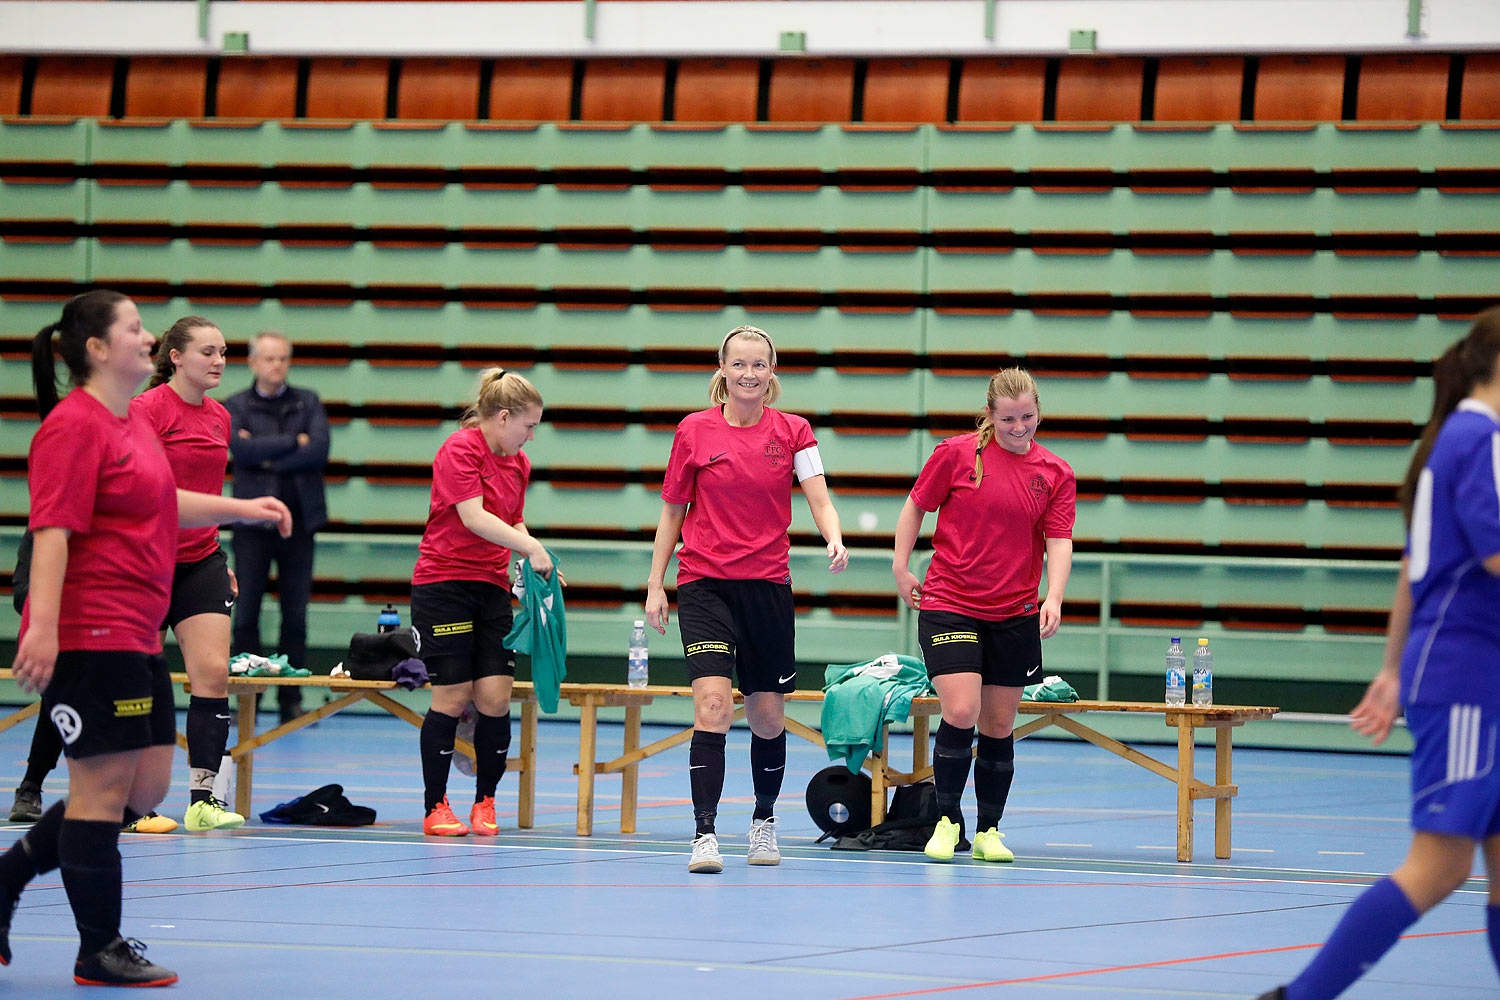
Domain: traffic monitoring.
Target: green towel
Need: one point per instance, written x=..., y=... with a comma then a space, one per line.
x=541, y=631
x=862, y=697
x=1052, y=688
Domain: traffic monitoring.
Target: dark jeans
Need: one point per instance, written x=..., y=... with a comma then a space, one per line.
x=254, y=551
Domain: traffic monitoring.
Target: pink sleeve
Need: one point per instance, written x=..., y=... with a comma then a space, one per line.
x=455, y=472
x=802, y=435
x=63, y=487
x=1057, y=522
x=934, y=483
x=679, y=483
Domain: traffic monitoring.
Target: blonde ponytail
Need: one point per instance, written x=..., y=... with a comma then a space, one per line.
x=500, y=390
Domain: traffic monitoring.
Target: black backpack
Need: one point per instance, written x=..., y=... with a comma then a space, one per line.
x=908, y=825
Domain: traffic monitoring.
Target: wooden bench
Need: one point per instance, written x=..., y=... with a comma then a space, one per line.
x=348, y=692
x=1186, y=719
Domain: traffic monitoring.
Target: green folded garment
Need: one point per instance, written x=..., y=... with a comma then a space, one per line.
x=1052, y=688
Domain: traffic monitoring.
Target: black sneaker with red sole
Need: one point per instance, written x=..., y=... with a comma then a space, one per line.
x=120, y=963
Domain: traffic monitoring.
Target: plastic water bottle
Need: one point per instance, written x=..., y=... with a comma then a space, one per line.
x=636, y=672
x=389, y=620
x=1176, y=673
x=1203, y=674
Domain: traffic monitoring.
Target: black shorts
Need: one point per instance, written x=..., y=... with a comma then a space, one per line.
x=200, y=588
x=109, y=702
x=1006, y=653
x=739, y=628
x=460, y=627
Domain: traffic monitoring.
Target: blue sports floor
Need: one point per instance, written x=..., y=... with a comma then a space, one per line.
x=1093, y=907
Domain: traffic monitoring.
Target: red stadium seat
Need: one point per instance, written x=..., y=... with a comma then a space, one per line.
x=1091, y=89
x=446, y=89
x=531, y=90
x=1402, y=88
x=11, y=68
x=906, y=90
x=1300, y=88
x=717, y=90
x=1480, y=96
x=811, y=90
x=173, y=87
x=257, y=88
x=347, y=88
x=73, y=85
x=1002, y=90
x=623, y=90
x=1199, y=89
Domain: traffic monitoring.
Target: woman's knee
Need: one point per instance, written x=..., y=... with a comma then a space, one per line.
x=713, y=711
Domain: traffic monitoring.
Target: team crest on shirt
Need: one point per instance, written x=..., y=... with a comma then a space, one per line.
x=1039, y=488
x=775, y=453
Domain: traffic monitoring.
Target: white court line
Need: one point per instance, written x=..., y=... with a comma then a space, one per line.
x=1352, y=854
x=1051, y=844
x=1256, y=850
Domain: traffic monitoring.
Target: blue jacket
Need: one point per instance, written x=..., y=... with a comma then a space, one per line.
x=270, y=462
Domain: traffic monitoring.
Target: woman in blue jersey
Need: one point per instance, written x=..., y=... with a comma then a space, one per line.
x=1442, y=664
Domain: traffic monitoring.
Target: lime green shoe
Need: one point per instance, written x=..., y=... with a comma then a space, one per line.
x=211, y=814
x=944, y=839
x=989, y=847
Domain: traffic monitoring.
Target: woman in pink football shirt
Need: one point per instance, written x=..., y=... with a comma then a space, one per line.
x=1003, y=501
x=728, y=496
x=194, y=431
x=460, y=592
x=105, y=514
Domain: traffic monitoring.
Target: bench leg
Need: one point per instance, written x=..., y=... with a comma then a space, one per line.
x=1222, y=806
x=1184, y=787
x=629, y=777
x=244, y=764
x=588, y=721
x=919, y=743
x=877, y=777
x=526, y=783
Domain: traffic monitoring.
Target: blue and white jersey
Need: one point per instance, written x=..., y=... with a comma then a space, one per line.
x=1453, y=653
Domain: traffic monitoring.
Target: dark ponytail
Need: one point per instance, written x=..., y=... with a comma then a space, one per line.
x=84, y=316
x=1468, y=362
x=175, y=339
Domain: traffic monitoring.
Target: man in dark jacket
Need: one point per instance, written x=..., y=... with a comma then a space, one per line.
x=278, y=439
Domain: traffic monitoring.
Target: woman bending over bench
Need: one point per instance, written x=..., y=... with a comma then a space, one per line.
x=460, y=592
x=1002, y=500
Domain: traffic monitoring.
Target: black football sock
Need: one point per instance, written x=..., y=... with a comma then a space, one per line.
x=438, y=733
x=706, y=776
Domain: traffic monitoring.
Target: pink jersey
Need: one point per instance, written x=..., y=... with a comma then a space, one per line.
x=987, y=549
x=738, y=483
x=465, y=467
x=107, y=481
x=196, y=440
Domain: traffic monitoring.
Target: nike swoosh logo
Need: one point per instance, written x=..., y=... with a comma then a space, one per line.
x=446, y=753
x=1033, y=670
x=228, y=604
x=321, y=806
x=123, y=459
x=783, y=767
x=715, y=458
x=697, y=767
x=783, y=680
x=171, y=432
x=226, y=718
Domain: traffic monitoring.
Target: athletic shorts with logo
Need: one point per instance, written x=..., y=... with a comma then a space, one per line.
x=1455, y=785
x=741, y=629
x=1007, y=653
x=200, y=588
x=110, y=702
x=460, y=627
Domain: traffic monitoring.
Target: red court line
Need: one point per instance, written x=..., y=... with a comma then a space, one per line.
x=1130, y=968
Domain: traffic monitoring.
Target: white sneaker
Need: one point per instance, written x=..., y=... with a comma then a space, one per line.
x=763, y=848
x=706, y=859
